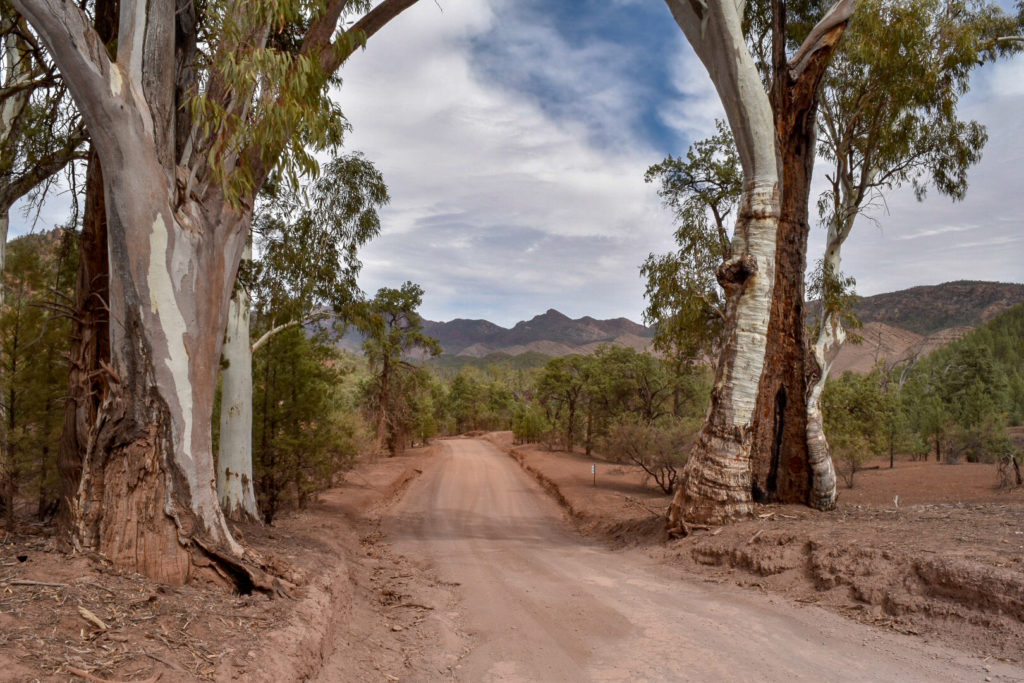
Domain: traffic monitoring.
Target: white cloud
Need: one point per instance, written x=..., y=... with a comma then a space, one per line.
x=934, y=232
x=499, y=209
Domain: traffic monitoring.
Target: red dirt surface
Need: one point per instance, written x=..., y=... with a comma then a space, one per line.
x=946, y=563
x=200, y=631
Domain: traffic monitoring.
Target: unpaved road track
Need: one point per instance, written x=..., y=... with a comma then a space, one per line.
x=542, y=604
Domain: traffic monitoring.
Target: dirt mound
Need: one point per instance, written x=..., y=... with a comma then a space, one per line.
x=950, y=571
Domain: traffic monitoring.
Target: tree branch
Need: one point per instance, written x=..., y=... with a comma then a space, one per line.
x=312, y=317
x=364, y=29
x=46, y=166
x=821, y=36
x=95, y=82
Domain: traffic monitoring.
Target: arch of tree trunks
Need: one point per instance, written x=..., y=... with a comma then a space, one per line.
x=184, y=154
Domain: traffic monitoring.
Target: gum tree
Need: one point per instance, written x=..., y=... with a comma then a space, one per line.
x=889, y=118
x=776, y=153
x=188, y=119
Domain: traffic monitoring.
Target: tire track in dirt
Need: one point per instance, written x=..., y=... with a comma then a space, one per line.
x=540, y=603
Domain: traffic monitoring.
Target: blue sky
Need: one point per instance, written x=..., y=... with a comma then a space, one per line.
x=514, y=135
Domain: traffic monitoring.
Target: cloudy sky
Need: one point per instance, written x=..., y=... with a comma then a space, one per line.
x=514, y=135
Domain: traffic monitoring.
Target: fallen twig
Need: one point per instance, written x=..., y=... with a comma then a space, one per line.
x=754, y=537
x=92, y=618
x=26, y=582
x=82, y=673
x=655, y=513
x=176, y=667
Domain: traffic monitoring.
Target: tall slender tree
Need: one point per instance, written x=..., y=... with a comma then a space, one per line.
x=306, y=273
x=888, y=118
x=393, y=330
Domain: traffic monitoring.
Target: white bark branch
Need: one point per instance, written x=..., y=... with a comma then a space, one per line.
x=98, y=86
x=266, y=336
x=819, y=36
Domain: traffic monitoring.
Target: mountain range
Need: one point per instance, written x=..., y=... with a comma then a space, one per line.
x=551, y=333
x=896, y=325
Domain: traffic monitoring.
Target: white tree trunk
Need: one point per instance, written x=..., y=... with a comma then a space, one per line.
x=716, y=482
x=147, y=498
x=234, y=458
x=830, y=338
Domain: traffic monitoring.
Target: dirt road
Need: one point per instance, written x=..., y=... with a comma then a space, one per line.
x=540, y=603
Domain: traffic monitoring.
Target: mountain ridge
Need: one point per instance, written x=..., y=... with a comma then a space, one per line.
x=907, y=322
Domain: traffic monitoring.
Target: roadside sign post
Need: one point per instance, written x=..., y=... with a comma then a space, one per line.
x=593, y=470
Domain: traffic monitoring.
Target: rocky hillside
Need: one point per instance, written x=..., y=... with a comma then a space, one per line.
x=916, y=321
x=929, y=309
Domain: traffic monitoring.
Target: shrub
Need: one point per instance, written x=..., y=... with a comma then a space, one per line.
x=660, y=448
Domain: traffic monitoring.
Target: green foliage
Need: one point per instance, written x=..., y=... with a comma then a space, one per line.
x=561, y=390
x=477, y=402
x=835, y=295
x=854, y=410
x=308, y=241
x=263, y=103
x=685, y=303
x=962, y=396
x=660, y=448
x=583, y=398
x=304, y=433
x=38, y=281
x=530, y=424
x=447, y=365
x=394, y=329
x=889, y=100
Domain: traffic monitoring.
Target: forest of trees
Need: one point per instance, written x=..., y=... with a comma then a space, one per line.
x=169, y=356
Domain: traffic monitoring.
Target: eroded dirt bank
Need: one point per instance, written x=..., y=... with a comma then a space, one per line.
x=73, y=618
x=948, y=567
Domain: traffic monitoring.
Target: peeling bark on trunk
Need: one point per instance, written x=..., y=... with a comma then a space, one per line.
x=787, y=458
x=234, y=458
x=715, y=484
x=146, y=498
x=754, y=440
x=830, y=337
x=90, y=345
